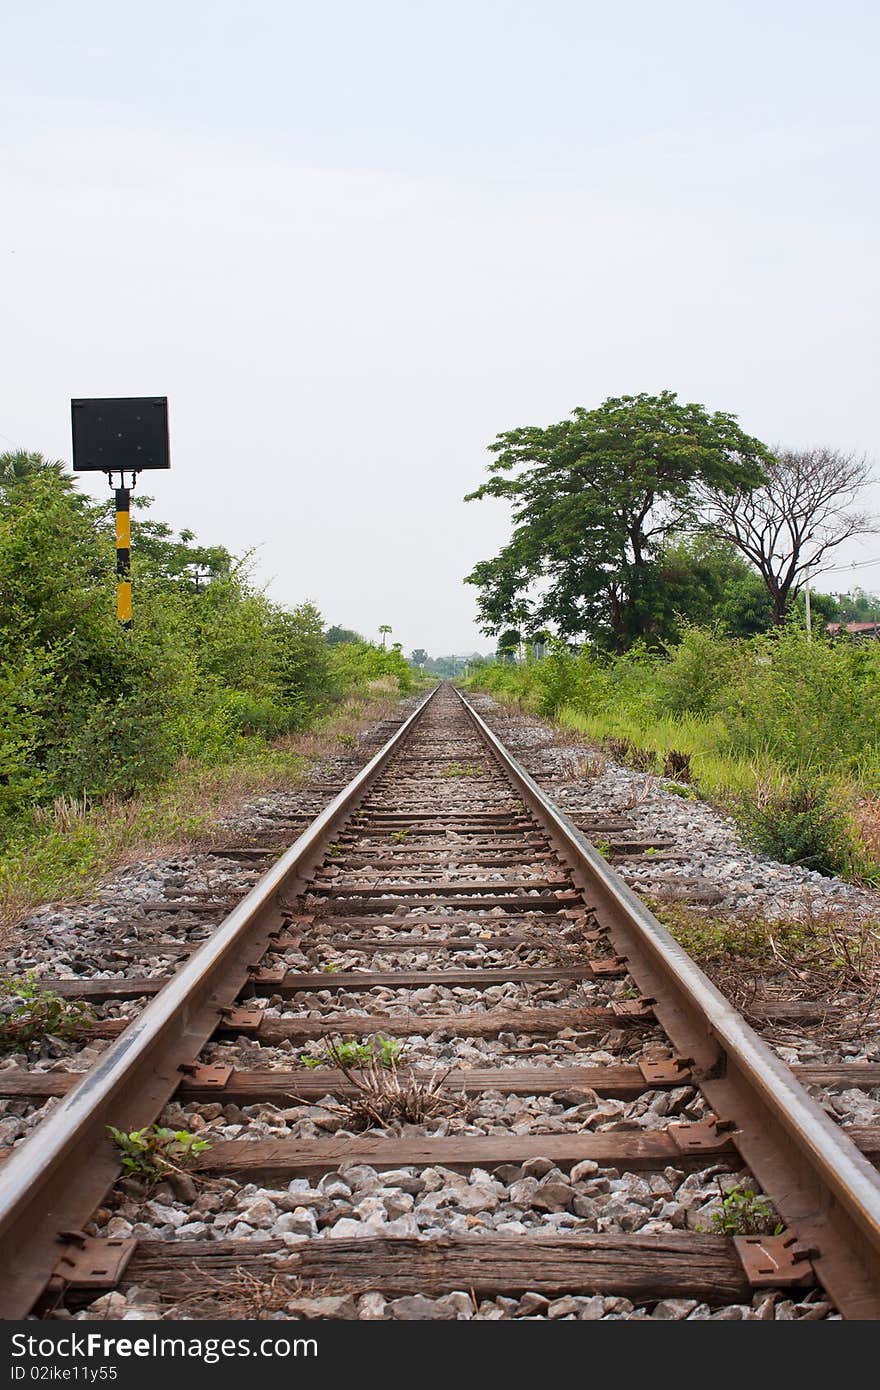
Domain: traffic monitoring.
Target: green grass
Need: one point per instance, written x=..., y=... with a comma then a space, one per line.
x=384, y=1051
x=716, y=773
x=63, y=850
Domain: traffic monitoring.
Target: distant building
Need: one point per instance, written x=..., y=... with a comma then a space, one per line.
x=855, y=629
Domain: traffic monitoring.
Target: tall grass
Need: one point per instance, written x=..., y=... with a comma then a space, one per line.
x=775, y=719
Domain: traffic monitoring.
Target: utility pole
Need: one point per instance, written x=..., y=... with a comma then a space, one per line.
x=123, y=552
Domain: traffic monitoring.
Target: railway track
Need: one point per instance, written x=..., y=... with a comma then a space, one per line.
x=586, y=1070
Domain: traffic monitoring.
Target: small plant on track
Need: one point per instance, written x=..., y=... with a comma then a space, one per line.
x=29, y=1013
x=155, y=1152
x=745, y=1212
x=379, y=1051
x=382, y=1096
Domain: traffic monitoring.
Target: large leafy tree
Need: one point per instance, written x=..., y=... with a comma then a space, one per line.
x=595, y=499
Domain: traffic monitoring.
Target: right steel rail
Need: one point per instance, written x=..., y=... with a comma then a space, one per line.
x=826, y=1190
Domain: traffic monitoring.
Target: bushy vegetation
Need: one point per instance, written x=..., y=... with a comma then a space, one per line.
x=783, y=732
x=212, y=674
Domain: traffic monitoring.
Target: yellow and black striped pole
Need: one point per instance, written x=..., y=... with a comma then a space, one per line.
x=123, y=556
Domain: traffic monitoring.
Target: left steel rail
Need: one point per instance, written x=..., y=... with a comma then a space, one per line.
x=53, y=1182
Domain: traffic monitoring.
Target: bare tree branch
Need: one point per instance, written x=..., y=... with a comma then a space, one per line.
x=788, y=525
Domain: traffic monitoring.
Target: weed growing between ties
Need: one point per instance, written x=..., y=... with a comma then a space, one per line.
x=382, y=1097
x=378, y=1051
x=155, y=1152
x=745, y=1212
x=456, y=769
x=240, y=1295
x=29, y=1013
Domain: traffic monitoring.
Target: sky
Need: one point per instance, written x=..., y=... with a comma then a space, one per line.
x=353, y=242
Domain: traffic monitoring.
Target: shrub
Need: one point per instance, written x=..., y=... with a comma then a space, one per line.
x=696, y=671
x=800, y=822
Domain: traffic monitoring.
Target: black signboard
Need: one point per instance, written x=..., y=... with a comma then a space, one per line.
x=122, y=434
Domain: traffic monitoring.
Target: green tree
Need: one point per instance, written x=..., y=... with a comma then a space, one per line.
x=595, y=497
x=335, y=635
x=857, y=607
x=303, y=663
x=418, y=657
x=703, y=582
x=19, y=465
x=509, y=644
x=384, y=629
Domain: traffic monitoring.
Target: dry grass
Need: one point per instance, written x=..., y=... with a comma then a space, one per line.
x=637, y=796
x=557, y=948
x=383, y=1096
x=866, y=816
x=13, y=906
x=242, y=1296
x=833, y=957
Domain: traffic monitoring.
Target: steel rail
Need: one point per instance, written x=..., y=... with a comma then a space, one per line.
x=53, y=1182
x=824, y=1188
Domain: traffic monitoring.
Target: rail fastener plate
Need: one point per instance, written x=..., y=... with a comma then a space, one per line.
x=668, y=1070
x=704, y=1136
x=245, y=1020
x=633, y=1008
x=608, y=966
x=93, y=1262
x=210, y=1078
x=271, y=975
x=773, y=1262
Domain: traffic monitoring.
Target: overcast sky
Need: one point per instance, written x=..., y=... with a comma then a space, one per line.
x=353, y=241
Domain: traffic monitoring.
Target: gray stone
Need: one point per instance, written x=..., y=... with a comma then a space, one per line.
x=523, y=1191
x=193, y=1230
x=532, y=1302
x=553, y=1196
x=592, y=1309
x=562, y=1308
x=415, y=1306
x=371, y=1307
x=395, y=1203
x=332, y=1186
x=673, y=1309
x=330, y=1306
x=260, y=1214
x=117, y=1226
x=585, y=1169
x=537, y=1167
x=301, y=1221
x=345, y=1228
x=460, y=1304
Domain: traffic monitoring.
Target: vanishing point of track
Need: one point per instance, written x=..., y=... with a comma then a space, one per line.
x=444, y=846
